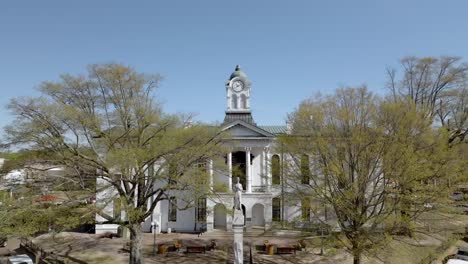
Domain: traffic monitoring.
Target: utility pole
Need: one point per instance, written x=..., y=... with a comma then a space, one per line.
x=282, y=185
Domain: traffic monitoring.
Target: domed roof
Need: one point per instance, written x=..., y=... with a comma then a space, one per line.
x=238, y=73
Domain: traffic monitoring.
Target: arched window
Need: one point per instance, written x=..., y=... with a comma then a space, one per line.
x=234, y=101
x=172, y=173
x=172, y=208
x=243, y=101
x=305, y=169
x=305, y=208
x=201, y=210
x=275, y=169
x=117, y=210
x=276, y=209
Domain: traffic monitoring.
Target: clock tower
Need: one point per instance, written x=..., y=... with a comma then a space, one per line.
x=238, y=92
x=238, y=97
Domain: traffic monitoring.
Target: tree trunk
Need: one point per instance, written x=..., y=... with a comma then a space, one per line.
x=356, y=257
x=135, y=244
x=356, y=250
x=405, y=223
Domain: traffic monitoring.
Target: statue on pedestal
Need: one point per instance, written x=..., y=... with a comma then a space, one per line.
x=237, y=194
x=238, y=224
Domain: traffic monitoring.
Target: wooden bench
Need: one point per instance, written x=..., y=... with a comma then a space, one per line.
x=285, y=250
x=212, y=245
x=196, y=249
x=174, y=247
x=261, y=248
x=301, y=245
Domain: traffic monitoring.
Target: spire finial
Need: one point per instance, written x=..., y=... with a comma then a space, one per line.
x=238, y=73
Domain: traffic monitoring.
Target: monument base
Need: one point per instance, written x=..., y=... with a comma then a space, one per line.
x=238, y=229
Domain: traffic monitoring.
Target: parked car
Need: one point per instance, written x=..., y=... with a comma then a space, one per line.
x=457, y=196
x=20, y=259
x=462, y=207
x=456, y=261
x=462, y=253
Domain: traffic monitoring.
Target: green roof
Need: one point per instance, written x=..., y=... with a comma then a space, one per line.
x=274, y=129
x=246, y=117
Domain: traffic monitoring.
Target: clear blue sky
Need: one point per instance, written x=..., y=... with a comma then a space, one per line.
x=289, y=49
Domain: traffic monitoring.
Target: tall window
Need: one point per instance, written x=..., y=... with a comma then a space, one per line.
x=305, y=169
x=276, y=209
x=172, y=173
x=117, y=208
x=275, y=169
x=234, y=101
x=201, y=210
x=151, y=170
x=172, y=214
x=239, y=168
x=305, y=208
x=201, y=164
x=201, y=167
x=243, y=101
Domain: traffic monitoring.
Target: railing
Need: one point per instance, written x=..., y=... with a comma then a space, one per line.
x=255, y=189
x=259, y=188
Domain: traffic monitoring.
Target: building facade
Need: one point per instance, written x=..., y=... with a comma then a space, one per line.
x=253, y=157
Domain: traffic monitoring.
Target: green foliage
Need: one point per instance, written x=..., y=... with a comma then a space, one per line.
x=379, y=163
x=108, y=126
x=220, y=187
x=17, y=160
x=28, y=217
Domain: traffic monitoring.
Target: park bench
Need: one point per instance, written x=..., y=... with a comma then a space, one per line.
x=175, y=247
x=301, y=245
x=196, y=249
x=285, y=250
x=212, y=245
x=261, y=248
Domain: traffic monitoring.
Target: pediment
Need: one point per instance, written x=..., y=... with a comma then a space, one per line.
x=243, y=129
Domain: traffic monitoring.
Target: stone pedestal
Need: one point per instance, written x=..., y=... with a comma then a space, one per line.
x=238, y=229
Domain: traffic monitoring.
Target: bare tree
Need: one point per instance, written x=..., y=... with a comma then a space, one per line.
x=362, y=150
x=438, y=86
x=109, y=121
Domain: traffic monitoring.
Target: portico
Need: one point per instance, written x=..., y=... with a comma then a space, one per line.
x=248, y=163
x=251, y=155
x=249, y=158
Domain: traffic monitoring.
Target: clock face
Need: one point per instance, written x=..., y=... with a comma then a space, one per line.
x=237, y=86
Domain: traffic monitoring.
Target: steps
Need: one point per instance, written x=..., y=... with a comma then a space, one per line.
x=249, y=232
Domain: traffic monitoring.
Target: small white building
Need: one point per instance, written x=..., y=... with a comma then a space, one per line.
x=253, y=157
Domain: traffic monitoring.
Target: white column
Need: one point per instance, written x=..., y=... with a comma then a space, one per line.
x=210, y=171
x=248, y=170
x=268, y=168
x=262, y=169
x=229, y=162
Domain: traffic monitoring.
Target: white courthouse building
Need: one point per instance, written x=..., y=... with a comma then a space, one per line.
x=253, y=157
